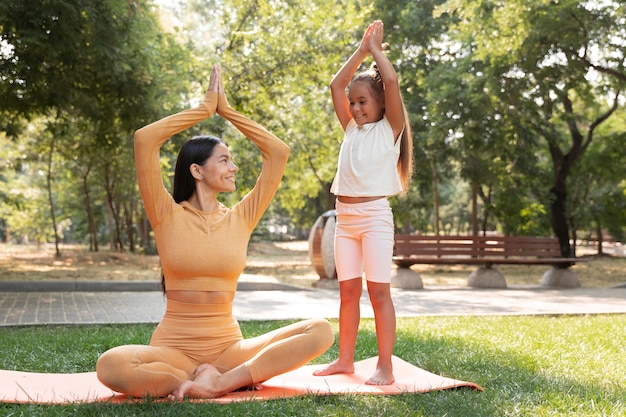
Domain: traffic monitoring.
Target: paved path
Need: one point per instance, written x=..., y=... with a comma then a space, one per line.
x=98, y=303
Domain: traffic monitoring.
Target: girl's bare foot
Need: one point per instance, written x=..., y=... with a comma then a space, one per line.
x=336, y=367
x=382, y=376
x=204, y=385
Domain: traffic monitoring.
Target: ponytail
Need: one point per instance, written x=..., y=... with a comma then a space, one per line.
x=405, y=162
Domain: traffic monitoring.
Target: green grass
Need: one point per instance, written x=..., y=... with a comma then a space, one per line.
x=528, y=365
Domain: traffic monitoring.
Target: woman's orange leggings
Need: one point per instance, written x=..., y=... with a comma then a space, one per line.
x=192, y=334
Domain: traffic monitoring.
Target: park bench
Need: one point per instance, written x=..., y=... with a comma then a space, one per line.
x=483, y=251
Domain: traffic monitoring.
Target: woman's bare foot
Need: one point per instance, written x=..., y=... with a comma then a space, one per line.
x=382, y=376
x=204, y=385
x=252, y=387
x=199, y=369
x=336, y=367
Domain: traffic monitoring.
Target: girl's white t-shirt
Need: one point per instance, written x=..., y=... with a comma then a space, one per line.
x=368, y=161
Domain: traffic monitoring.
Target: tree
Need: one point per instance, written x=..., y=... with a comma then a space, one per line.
x=512, y=106
x=549, y=61
x=93, y=64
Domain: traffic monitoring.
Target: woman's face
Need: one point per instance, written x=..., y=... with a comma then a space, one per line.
x=218, y=171
x=363, y=105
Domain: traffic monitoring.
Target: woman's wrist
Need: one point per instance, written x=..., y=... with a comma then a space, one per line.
x=211, y=100
x=222, y=103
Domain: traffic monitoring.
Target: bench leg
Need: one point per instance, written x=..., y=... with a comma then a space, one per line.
x=560, y=277
x=406, y=278
x=486, y=278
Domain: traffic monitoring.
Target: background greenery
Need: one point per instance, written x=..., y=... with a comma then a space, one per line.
x=529, y=366
x=517, y=109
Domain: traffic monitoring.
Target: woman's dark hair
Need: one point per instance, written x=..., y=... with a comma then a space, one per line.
x=195, y=151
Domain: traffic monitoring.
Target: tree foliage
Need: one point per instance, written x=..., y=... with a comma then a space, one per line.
x=86, y=70
x=517, y=108
x=554, y=72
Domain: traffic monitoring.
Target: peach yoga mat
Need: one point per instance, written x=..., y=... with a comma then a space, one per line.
x=47, y=388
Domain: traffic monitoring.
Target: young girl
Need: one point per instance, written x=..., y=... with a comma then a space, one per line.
x=198, y=349
x=375, y=162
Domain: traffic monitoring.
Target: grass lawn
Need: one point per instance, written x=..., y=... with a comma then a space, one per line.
x=528, y=365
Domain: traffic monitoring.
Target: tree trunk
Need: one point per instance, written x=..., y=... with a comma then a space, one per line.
x=486, y=199
x=128, y=216
x=558, y=195
x=117, y=236
x=110, y=222
x=573, y=232
x=93, y=236
x=436, y=196
x=474, y=209
x=143, y=228
x=51, y=200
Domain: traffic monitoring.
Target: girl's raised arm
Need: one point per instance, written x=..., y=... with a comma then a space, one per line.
x=343, y=77
x=393, y=98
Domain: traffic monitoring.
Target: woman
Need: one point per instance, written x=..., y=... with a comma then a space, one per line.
x=198, y=349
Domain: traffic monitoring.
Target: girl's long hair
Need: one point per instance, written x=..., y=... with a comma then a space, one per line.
x=405, y=163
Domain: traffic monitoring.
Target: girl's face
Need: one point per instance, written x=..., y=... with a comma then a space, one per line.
x=218, y=171
x=364, y=107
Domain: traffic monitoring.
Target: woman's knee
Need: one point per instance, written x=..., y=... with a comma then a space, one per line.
x=115, y=366
x=322, y=332
x=109, y=366
x=140, y=370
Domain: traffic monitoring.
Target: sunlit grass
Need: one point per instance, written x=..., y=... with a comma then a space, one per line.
x=528, y=365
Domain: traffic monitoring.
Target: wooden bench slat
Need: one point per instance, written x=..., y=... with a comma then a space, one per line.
x=488, y=250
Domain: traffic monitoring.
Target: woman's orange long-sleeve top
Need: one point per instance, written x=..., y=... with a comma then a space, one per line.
x=204, y=251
